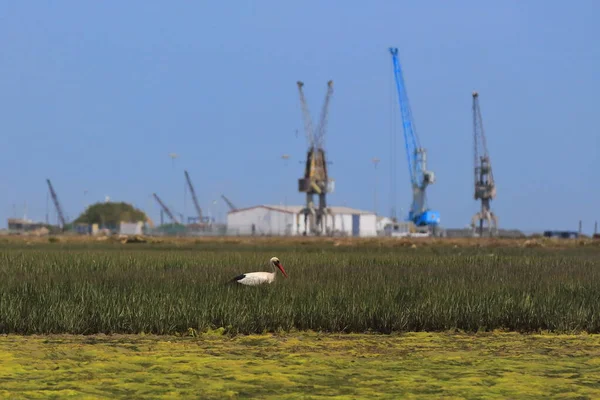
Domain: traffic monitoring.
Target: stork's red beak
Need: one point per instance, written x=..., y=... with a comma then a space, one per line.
x=281, y=269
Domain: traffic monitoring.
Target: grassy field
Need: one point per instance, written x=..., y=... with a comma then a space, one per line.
x=174, y=326
x=302, y=365
x=334, y=286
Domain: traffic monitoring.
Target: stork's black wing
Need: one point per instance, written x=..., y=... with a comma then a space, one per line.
x=238, y=278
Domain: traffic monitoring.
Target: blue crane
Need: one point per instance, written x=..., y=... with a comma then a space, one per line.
x=420, y=177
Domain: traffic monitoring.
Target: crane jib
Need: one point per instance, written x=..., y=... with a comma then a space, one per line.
x=415, y=154
x=410, y=136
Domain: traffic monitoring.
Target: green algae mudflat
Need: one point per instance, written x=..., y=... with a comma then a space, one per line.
x=306, y=365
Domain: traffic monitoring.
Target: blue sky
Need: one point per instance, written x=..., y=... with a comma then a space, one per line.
x=95, y=95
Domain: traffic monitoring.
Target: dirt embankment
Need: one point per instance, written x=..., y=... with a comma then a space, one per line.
x=300, y=241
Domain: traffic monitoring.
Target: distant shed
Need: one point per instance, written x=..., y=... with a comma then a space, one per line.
x=130, y=228
x=289, y=221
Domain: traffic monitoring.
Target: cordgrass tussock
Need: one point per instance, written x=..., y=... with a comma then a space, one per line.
x=148, y=288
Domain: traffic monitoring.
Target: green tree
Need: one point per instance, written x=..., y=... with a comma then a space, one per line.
x=111, y=214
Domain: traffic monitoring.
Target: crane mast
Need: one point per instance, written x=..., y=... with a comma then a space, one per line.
x=165, y=208
x=229, y=203
x=194, y=198
x=57, y=205
x=316, y=180
x=485, y=187
x=416, y=155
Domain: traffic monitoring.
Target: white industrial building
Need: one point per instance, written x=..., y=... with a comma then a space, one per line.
x=289, y=221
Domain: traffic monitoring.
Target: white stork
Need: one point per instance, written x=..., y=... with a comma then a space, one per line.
x=258, y=278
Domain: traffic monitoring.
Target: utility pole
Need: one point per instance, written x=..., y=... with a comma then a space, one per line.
x=184, y=203
x=47, y=209
x=173, y=157
x=212, y=212
x=216, y=211
x=285, y=158
x=375, y=161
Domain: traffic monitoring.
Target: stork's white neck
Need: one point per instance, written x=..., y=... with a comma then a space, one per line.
x=274, y=273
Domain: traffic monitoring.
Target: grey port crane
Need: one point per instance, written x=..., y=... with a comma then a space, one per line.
x=229, y=203
x=194, y=198
x=59, y=211
x=165, y=208
x=485, y=186
x=316, y=179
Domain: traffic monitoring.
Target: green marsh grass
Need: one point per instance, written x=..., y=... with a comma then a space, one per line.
x=167, y=289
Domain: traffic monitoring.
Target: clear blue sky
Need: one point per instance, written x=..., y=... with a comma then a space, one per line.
x=94, y=95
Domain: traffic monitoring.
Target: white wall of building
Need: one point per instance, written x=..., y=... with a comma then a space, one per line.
x=336, y=223
x=344, y=223
x=266, y=221
x=287, y=220
x=368, y=225
x=131, y=228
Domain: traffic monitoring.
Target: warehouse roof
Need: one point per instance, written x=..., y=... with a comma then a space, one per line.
x=298, y=209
